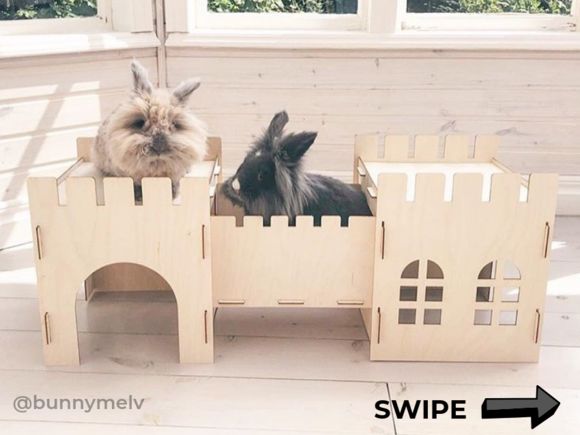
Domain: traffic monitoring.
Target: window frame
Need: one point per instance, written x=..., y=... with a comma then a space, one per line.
x=205, y=19
x=192, y=15
x=473, y=22
x=112, y=16
x=101, y=22
x=374, y=16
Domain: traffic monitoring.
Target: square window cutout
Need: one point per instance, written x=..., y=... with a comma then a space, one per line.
x=482, y=317
x=432, y=317
x=510, y=294
x=408, y=293
x=508, y=318
x=407, y=316
x=434, y=294
x=484, y=294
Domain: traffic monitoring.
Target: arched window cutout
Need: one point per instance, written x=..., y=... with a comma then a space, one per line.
x=511, y=271
x=488, y=271
x=433, y=270
x=411, y=270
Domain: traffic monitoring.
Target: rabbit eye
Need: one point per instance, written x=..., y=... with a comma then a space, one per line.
x=138, y=124
x=177, y=125
x=260, y=176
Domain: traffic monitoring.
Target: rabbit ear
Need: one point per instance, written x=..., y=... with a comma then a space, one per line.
x=141, y=83
x=277, y=124
x=295, y=145
x=184, y=90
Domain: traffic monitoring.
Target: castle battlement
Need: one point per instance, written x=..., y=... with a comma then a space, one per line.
x=281, y=222
x=427, y=148
x=90, y=192
x=502, y=189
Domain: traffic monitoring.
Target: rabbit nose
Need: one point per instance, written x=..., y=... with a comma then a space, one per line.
x=159, y=143
x=236, y=184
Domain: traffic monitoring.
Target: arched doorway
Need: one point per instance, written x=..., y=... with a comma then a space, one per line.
x=127, y=313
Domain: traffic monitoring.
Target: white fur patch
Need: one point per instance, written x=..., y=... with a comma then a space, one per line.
x=236, y=184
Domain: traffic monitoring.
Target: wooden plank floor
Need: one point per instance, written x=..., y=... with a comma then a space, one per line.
x=276, y=371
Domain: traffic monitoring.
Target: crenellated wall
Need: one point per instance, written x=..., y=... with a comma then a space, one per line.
x=76, y=239
x=461, y=236
x=313, y=266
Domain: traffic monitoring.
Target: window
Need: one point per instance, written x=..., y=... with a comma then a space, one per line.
x=54, y=16
x=38, y=9
x=497, y=294
x=421, y=291
x=76, y=17
x=490, y=15
x=281, y=14
x=490, y=6
x=374, y=16
x=288, y=6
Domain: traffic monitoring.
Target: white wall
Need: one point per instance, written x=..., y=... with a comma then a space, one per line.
x=531, y=99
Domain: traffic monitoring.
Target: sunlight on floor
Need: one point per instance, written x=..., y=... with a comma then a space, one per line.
x=557, y=244
x=565, y=286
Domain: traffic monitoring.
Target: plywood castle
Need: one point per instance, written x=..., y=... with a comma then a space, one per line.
x=452, y=266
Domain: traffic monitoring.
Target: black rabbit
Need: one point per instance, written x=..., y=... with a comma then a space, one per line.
x=271, y=181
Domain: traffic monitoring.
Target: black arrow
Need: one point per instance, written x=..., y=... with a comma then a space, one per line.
x=541, y=408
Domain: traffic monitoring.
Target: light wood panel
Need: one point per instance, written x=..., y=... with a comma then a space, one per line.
x=13, y=183
x=44, y=115
x=326, y=266
x=189, y=405
x=45, y=104
x=518, y=134
x=460, y=227
x=60, y=231
x=429, y=228
x=484, y=103
x=23, y=82
x=381, y=72
x=286, y=358
x=22, y=152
